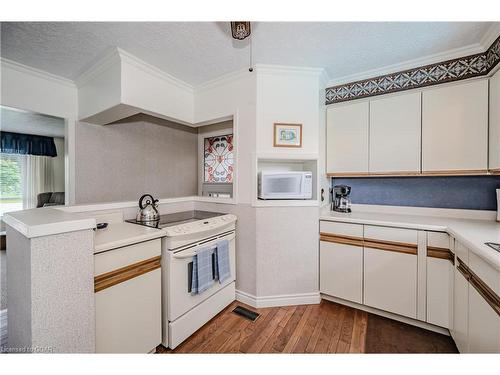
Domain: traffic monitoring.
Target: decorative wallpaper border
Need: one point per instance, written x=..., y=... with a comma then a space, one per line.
x=446, y=71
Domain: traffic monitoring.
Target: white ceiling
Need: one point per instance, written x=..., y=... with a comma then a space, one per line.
x=196, y=52
x=18, y=121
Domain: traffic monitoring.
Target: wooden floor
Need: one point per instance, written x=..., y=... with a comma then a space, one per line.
x=324, y=328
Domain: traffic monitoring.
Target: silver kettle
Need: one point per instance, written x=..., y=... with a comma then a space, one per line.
x=148, y=211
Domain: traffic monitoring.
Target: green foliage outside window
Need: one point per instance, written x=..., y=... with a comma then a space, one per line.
x=10, y=179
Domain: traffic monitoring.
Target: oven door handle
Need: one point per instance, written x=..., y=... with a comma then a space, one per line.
x=184, y=256
x=191, y=254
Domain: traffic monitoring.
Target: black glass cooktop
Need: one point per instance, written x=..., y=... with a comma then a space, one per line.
x=177, y=218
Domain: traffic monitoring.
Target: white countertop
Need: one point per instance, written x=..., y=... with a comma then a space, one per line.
x=471, y=232
x=47, y=221
x=123, y=234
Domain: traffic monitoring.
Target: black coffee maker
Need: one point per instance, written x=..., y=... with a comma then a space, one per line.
x=340, y=198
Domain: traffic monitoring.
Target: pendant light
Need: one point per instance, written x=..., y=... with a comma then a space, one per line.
x=240, y=29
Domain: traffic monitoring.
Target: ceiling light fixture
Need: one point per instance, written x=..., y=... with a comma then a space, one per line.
x=240, y=29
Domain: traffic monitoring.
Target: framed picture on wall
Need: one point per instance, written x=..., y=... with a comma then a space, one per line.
x=287, y=135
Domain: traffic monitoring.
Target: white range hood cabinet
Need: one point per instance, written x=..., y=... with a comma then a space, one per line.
x=120, y=85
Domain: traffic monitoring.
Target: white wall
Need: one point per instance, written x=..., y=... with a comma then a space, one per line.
x=33, y=90
x=287, y=95
x=58, y=163
x=233, y=95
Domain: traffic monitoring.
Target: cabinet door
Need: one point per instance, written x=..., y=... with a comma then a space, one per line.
x=128, y=298
x=440, y=274
x=494, y=110
x=128, y=315
x=484, y=325
x=341, y=271
x=390, y=281
x=455, y=128
x=395, y=129
x=439, y=285
x=460, y=312
x=347, y=138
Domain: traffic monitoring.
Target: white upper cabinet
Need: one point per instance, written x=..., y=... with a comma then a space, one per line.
x=495, y=123
x=347, y=138
x=395, y=124
x=455, y=128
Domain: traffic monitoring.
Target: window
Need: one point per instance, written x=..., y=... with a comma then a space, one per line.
x=11, y=197
x=218, y=159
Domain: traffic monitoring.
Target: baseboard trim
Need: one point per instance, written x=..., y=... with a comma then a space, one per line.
x=278, y=300
x=385, y=314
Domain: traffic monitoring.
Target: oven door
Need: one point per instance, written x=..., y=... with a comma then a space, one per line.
x=178, y=273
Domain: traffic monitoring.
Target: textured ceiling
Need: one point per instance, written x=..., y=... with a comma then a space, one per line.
x=17, y=121
x=196, y=52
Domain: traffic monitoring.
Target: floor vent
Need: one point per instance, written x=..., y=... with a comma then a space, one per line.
x=245, y=313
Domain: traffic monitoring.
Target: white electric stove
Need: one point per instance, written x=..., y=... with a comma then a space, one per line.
x=183, y=312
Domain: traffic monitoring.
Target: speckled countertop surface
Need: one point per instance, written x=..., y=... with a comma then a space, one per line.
x=123, y=234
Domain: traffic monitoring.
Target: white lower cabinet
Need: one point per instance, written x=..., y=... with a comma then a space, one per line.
x=460, y=332
x=341, y=270
x=390, y=281
x=439, y=288
x=341, y=260
x=128, y=298
x=484, y=325
x=439, y=285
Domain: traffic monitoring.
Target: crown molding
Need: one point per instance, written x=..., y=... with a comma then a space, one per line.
x=224, y=79
x=153, y=70
x=117, y=56
x=277, y=69
x=471, y=49
x=6, y=63
x=100, y=64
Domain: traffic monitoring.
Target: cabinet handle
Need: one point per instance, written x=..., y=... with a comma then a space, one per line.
x=120, y=275
x=482, y=288
x=440, y=253
x=344, y=240
x=397, y=247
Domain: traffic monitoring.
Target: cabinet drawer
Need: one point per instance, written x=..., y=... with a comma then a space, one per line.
x=438, y=246
x=341, y=229
x=117, y=258
x=341, y=271
x=403, y=236
x=485, y=272
x=438, y=239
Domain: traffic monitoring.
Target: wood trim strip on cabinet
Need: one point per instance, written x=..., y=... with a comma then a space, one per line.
x=348, y=174
x=345, y=240
x=461, y=172
x=463, y=269
x=485, y=291
x=395, y=173
x=482, y=288
x=465, y=172
x=120, y=275
x=397, y=247
x=440, y=253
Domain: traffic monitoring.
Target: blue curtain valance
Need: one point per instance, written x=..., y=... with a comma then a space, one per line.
x=17, y=143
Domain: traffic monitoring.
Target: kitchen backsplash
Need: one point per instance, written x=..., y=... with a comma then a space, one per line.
x=138, y=155
x=465, y=192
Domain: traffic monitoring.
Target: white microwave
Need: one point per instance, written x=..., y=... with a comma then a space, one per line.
x=285, y=185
